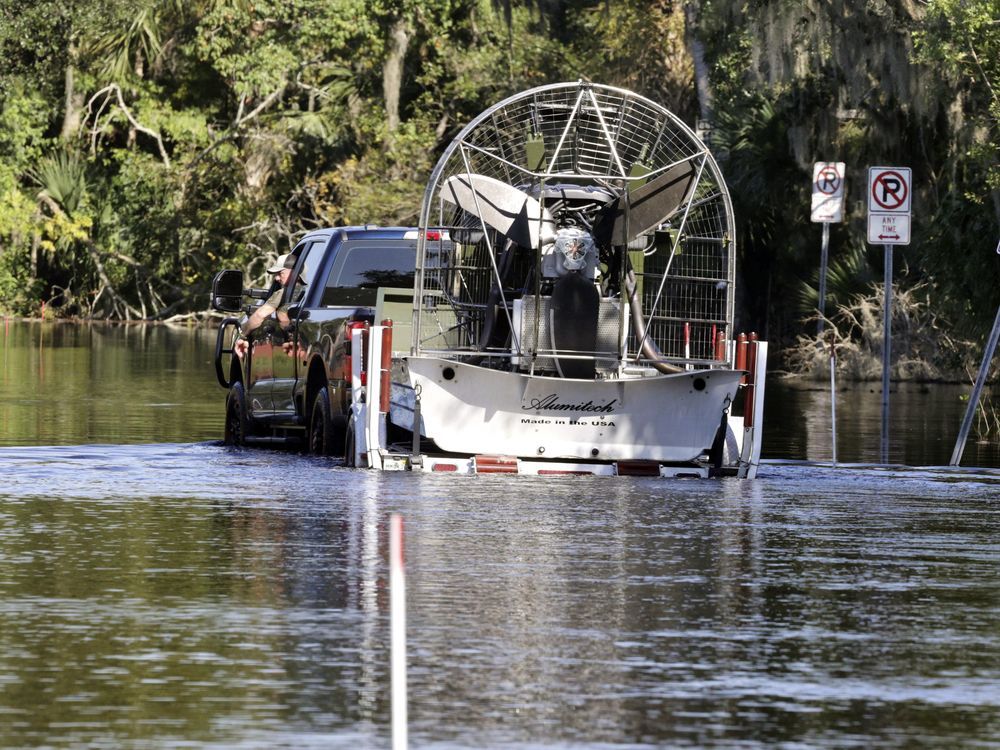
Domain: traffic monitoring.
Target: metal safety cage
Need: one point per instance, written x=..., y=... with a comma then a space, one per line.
x=602, y=159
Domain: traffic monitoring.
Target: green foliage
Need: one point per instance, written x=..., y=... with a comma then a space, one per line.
x=382, y=186
x=640, y=46
x=848, y=276
x=20, y=293
x=789, y=90
x=62, y=176
x=199, y=135
x=18, y=288
x=261, y=47
x=23, y=121
x=961, y=38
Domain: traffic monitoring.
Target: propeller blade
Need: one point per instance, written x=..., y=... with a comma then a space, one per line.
x=510, y=211
x=648, y=205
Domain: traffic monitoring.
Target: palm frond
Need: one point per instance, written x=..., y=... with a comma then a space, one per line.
x=63, y=177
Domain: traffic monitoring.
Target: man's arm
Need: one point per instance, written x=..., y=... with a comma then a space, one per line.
x=254, y=320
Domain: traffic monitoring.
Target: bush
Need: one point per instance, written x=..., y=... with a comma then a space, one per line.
x=922, y=348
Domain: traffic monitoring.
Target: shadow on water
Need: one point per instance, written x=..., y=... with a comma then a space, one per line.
x=157, y=592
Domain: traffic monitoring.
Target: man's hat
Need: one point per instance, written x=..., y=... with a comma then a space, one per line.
x=284, y=261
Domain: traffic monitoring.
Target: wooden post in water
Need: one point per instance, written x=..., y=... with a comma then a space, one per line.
x=886, y=351
x=397, y=620
x=977, y=391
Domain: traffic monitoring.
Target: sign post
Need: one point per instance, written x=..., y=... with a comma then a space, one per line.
x=827, y=207
x=889, y=200
x=977, y=391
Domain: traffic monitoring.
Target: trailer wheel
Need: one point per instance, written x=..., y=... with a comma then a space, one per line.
x=326, y=432
x=349, y=442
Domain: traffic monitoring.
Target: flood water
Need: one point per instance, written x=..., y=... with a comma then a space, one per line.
x=159, y=590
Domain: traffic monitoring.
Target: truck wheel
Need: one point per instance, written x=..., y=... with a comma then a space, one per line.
x=326, y=432
x=237, y=421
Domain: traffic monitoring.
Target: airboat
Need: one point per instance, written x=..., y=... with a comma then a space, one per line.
x=573, y=304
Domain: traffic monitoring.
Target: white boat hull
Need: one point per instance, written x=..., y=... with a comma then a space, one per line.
x=472, y=410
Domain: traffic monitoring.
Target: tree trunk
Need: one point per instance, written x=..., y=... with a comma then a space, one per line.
x=392, y=71
x=36, y=240
x=73, y=100
x=697, y=51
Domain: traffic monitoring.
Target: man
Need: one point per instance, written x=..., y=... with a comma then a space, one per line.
x=282, y=270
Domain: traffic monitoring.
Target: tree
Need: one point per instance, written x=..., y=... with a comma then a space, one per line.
x=963, y=36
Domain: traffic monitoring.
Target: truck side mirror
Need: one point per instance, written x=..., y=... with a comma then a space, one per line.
x=227, y=291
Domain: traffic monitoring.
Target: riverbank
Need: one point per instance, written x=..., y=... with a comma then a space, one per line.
x=188, y=320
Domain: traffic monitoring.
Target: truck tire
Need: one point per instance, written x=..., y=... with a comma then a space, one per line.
x=237, y=421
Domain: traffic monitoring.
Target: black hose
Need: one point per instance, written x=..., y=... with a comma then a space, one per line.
x=649, y=347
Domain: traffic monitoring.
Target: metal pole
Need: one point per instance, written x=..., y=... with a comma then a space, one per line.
x=977, y=391
x=824, y=254
x=886, y=351
x=833, y=396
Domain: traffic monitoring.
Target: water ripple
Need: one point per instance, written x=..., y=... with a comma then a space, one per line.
x=193, y=595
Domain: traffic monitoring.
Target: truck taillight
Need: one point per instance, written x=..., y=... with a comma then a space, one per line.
x=433, y=234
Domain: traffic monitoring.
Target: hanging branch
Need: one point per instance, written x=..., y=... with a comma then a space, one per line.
x=986, y=78
x=119, y=305
x=267, y=102
x=241, y=119
x=116, y=299
x=146, y=273
x=115, y=89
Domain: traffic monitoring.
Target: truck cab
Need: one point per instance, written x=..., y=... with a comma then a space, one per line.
x=293, y=382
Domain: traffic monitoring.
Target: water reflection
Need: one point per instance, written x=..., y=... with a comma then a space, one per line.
x=133, y=606
x=67, y=383
x=925, y=420
x=192, y=594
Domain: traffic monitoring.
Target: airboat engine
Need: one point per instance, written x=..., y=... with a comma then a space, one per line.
x=567, y=317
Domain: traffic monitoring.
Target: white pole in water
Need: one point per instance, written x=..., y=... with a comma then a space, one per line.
x=886, y=351
x=397, y=620
x=833, y=396
x=977, y=391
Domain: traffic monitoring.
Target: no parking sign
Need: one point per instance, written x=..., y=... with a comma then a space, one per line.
x=828, y=192
x=889, y=200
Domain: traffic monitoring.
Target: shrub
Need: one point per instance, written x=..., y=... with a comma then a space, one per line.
x=922, y=348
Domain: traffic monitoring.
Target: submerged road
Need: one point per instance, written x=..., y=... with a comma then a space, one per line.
x=156, y=596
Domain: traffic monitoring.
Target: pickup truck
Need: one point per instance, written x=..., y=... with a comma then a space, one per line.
x=293, y=383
